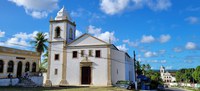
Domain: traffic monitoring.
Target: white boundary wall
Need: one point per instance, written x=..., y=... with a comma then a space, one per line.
x=7, y=82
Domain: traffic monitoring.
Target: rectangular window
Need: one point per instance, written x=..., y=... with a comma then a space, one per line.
x=90, y=53
x=82, y=53
x=74, y=55
x=56, y=56
x=56, y=71
x=98, y=53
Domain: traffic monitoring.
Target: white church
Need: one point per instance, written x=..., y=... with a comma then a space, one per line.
x=85, y=60
x=166, y=76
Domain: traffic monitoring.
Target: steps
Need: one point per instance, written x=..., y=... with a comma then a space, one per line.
x=25, y=82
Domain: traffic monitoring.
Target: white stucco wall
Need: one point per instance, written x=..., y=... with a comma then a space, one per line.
x=6, y=82
x=56, y=64
x=124, y=64
x=87, y=40
x=98, y=71
x=117, y=66
x=8, y=57
x=37, y=80
x=129, y=71
x=69, y=26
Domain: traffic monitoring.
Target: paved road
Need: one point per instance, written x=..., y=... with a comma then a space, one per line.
x=174, y=89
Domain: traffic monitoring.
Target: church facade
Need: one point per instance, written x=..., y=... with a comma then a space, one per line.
x=86, y=60
x=166, y=76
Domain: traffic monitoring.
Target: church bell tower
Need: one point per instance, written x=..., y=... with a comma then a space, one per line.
x=62, y=32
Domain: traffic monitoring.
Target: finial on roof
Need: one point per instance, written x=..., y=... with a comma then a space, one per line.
x=110, y=42
x=51, y=18
x=63, y=14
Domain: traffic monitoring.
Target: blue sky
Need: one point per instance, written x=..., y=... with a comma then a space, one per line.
x=162, y=32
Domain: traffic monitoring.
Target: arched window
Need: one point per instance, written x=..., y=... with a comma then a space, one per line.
x=1, y=66
x=70, y=34
x=57, y=32
x=34, y=67
x=27, y=66
x=10, y=66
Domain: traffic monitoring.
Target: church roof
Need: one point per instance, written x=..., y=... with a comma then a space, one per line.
x=63, y=14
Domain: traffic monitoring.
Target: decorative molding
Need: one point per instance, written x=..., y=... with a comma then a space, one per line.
x=65, y=20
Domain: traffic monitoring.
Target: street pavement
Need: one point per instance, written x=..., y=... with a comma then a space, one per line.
x=175, y=89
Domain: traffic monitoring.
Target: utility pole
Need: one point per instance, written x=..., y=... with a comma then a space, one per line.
x=135, y=69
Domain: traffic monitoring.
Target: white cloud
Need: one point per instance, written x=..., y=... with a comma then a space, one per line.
x=190, y=46
x=21, y=40
x=163, y=61
x=150, y=54
x=94, y=30
x=153, y=61
x=97, y=32
x=164, y=38
x=122, y=48
x=147, y=39
x=37, y=8
x=2, y=33
x=162, y=51
x=112, y=7
x=192, y=20
x=134, y=44
x=78, y=33
x=177, y=49
x=158, y=5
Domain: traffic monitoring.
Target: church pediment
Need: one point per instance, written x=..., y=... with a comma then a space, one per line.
x=86, y=40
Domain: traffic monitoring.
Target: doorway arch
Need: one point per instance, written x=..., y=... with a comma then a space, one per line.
x=19, y=69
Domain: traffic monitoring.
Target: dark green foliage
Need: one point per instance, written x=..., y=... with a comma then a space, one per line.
x=196, y=74
x=185, y=75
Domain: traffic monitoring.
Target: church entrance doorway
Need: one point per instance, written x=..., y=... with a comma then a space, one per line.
x=85, y=75
x=19, y=69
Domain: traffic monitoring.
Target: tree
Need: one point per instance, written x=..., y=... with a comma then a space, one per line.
x=178, y=76
x=196, y=74
x=39, y=43
x=44, y=63
x=138, y=68
x=148, y=67
x=143, y=69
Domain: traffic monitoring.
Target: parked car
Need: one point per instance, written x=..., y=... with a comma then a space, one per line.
x=125, y=84
x=161, y=88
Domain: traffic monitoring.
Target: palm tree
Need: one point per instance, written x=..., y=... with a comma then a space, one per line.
x=45, y=60
x=143, y=68
x=148, y=67
x=39, y=43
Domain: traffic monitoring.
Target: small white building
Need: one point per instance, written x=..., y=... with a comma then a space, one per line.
x=166, y=76
x=16, y=62
x=86, y=60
